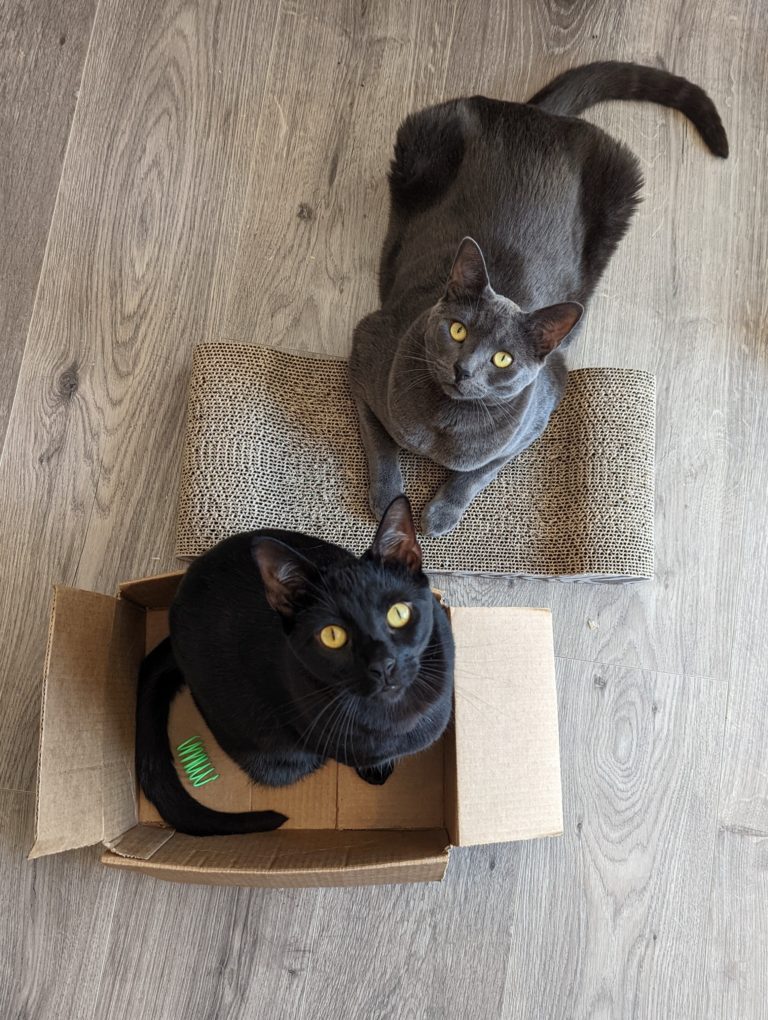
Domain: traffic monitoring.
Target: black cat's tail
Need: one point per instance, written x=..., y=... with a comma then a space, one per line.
x=160, y=679
x=582, y=87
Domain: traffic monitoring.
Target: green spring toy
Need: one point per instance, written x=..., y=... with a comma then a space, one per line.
x=195, y=762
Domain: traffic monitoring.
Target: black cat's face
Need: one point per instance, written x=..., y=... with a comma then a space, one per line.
x=366, y=632
x=359, y=626
x=480, y=345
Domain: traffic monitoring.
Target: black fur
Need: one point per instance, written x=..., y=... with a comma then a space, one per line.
x=244, y=636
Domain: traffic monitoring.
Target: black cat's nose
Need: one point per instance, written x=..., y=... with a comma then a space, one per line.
x=383, y=673
x=460, y=373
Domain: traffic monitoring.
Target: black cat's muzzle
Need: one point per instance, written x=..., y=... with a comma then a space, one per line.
x=384, y=680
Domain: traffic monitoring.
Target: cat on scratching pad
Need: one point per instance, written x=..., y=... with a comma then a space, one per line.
x=272, y=440
x=503, y=216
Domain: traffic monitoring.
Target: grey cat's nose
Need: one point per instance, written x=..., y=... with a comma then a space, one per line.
x=460, y=373
x=383, y=672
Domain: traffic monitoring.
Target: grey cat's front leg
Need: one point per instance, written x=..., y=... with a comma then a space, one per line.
x=383, y=455
x=447, y=506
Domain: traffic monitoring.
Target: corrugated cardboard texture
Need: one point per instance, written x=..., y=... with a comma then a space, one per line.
x=265, y=427
x=297, y=858
x=507, y=750
x=85, y=787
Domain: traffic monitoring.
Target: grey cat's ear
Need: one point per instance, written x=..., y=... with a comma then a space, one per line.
x=469, y=276
x=396, y=540
x=285, y=573
x=548, y=327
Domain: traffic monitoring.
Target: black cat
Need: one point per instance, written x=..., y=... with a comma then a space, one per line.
x=296, y=651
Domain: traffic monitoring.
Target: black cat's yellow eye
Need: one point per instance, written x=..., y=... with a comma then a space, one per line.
x=333, y=636
x=399, y=614
x=458, y=332
x=502, y=359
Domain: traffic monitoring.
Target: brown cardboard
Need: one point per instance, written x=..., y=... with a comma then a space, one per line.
x=85, y=780
x=507, y=750
x=288, y=858
x=494, y=776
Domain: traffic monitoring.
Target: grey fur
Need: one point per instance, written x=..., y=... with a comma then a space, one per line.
x=547, y=199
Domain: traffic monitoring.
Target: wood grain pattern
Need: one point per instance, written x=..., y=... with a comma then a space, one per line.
x=623, y=910
x=225, y=177
x=305, y=267
x=55, y=919
x=744, y=591
x=737, y=960
x=89, y=475
x=41, y=59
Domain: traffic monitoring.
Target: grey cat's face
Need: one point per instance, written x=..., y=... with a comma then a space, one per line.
x=481, y=350
x=480, y=345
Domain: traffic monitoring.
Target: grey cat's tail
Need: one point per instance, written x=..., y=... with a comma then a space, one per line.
x=582, y=87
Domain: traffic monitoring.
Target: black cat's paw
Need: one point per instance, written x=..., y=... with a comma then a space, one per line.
x=377, y=775
x=440, y=517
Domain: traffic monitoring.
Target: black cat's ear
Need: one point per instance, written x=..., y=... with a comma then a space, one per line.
x=285, y=573
x=548, y=327
x=469, y=277
x=396, y=540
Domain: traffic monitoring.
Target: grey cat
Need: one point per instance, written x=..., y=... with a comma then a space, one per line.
x=463, y=362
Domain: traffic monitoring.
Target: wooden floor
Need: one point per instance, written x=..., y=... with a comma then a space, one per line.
x=175, y=172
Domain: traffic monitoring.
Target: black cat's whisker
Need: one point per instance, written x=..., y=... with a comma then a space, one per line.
x=304, y=737
x=346, y=731
x=332, y=723
x=320, y=745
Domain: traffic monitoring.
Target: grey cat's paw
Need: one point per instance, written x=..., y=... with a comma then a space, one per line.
x=439, y=518
x=380, y=497
x=377, y=775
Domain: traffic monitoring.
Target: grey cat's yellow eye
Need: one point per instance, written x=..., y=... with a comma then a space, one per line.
x=502, y=359
x=399, y=614
x=333, y=636
x=458, y=332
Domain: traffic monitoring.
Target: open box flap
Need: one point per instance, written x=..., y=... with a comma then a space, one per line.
x=152, y=592
x=293, y=857
x=85, y=785
x=507, y=768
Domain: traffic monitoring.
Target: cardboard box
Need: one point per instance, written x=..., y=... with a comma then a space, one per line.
x=494, y=776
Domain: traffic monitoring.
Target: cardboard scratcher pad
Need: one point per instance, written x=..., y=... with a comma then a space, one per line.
x=272, y=441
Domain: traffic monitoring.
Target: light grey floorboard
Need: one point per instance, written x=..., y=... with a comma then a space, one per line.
x=737, y=972
x=610, y=921
x=42, y=50
x=55, y=918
